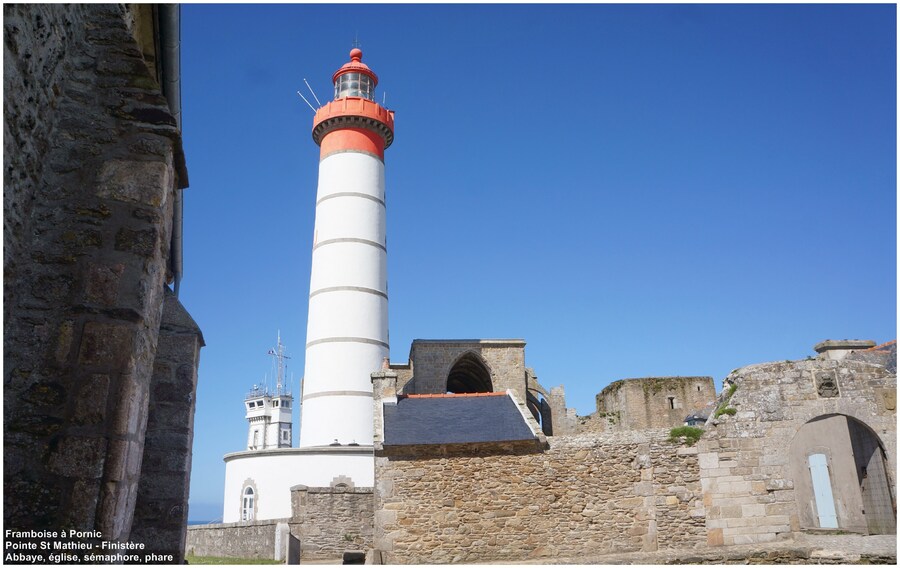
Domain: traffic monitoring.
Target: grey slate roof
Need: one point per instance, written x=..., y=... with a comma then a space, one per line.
x=454, y=419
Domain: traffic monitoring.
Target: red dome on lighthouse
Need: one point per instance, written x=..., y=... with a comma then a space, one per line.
x=355, y=65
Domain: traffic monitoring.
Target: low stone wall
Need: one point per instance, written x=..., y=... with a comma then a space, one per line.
x=236, y=540
x=603, y=494
x=332, y=520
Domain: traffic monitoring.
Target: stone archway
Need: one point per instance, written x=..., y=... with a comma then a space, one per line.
x=469, y=374
x=840, y=476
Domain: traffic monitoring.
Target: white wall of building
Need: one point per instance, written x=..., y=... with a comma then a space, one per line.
x=274, y=472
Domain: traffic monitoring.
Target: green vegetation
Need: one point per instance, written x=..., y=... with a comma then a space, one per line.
x=690, y=434
x=723, y=407
x=222, y=560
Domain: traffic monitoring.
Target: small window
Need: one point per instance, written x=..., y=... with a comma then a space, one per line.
x=286, y=404
x=285, y=435
x=671, y=402
x=275, y=403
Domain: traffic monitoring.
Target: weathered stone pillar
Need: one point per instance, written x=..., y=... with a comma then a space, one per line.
x=384, y=389
x=160, y=516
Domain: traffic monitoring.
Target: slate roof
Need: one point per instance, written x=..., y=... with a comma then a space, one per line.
x=454, y=419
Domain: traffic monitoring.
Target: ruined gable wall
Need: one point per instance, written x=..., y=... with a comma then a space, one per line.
x=583, y=495
x=634, y=404
x=432, y=361
x=748, y=481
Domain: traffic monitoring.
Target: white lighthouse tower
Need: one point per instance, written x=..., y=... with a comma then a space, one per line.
x=347, y=329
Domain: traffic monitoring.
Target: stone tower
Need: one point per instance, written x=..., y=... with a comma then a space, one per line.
x=347, y=330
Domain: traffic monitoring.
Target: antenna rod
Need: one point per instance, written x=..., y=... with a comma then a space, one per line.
x=313, y=92
x=306, y=101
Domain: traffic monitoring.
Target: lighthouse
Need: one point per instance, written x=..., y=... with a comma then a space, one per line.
x=347, y=327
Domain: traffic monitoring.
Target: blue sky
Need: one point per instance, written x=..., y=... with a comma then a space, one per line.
x=634, y=190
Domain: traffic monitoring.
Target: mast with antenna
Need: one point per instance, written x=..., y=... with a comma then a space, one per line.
x=279, y=355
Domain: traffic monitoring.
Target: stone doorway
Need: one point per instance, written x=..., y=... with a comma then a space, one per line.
x=845, y=453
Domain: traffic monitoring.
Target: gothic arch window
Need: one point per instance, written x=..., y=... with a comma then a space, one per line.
x=248, y=504
x=469, y=375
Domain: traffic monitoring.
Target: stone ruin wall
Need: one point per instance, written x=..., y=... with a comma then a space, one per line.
x=329, y=521
x=612, y=493
x=641, y=404
x=431, y=362
x=749, y=487
x=638, y=404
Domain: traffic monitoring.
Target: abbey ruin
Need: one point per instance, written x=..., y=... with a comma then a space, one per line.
x=501, y=470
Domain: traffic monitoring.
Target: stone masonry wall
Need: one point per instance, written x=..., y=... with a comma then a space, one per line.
x=332, y=520
x=255, y=539
x=161, y=512
x=89, y=183
x=432, y=360
x=612, y=493
x=749, y=484
x=634, y=404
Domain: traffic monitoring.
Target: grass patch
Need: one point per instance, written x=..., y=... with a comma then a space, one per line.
x=730, y=411
x=690, y=434
x=191, y=559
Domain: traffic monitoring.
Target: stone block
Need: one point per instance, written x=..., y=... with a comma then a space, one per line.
x=64, y=341
x=91, y=403
x=140, y=242
x=778, y=484
x=755, y=510
x=709, y=460
x=773, y=509
x=106, y=344
x=714, y=537
x=79, y=457
x=143, y=182
x=102, y=285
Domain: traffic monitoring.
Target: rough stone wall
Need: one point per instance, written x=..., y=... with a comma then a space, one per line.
x=748, y=481
x=161, y=513
x=636, y=404
x=88, y=191
x=331, y=520
x=255, y=539
x=612, y=493
x=431, y=361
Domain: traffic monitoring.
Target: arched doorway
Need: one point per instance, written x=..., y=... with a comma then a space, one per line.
x=248, y=502
x=840, y=476
x=469, y=375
